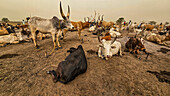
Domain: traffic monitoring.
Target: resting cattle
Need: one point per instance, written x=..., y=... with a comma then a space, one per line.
x=11, y=38
x=72, y=66
x=50, y=26
x=155, y=37
x=3, y=31
x=114, y=33
x=108, y=47
x=134, y=45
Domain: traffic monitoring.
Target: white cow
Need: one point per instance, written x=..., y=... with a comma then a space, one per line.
x=11, y=38
x=109, y=48
x=114, y=33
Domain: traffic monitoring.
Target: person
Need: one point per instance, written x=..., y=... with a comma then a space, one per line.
x=124, y=23
x=129, y=23
x=23, y=22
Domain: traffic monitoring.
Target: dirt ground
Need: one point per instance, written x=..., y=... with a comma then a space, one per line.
x=23, y=70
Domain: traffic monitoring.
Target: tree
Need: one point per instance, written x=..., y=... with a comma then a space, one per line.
x=5, y=20
x=120, y=20
x=152, y=22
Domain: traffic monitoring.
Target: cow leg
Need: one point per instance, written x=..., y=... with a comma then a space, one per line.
x=64, y=34
x=34, y=38
x=120, y=51
x=57, y=41
x=130, y=50
x=100, y=52
x=137, y=51
x=79, y=33
x=81, y=39
x=54, y=39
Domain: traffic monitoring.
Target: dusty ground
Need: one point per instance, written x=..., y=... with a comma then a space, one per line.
x=23, y=71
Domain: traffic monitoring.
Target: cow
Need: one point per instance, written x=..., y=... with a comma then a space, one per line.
x=6, y=39
x=155, y=37
x=148, y=27
x=50, y=26
x=108, y=47
x=106, y=25
x=74, y=64
x=78, y=26
x=3, y=31
x=134, y=45
x=99, y=30
x=132, y=26
x=114, y=33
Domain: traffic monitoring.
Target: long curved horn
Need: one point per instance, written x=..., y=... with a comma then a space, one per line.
x=99, y=18
x=102, y=17
x=88, y=19
x=114, y=40
x=68, y=14
x=61, y=12
x=95, y=14
x=84, y=19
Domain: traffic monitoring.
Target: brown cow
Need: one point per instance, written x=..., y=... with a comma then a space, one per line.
x=104, y=23
x=3, y=31
x=148, y=27
x=78, y=26
x=107, y=37
x=155, y=37
x=134, y=45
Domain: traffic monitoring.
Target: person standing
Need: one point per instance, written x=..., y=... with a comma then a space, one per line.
x=23, y=22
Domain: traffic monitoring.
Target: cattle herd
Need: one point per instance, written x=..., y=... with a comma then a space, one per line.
x=107, y=33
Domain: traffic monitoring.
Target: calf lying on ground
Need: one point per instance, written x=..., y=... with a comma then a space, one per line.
x=72, y=66
x=134, y=45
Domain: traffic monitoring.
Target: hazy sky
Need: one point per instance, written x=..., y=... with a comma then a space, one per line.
x=136, y=10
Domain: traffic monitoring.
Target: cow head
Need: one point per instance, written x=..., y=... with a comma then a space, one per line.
x=106, y=47
x=54, y=75
x=66, y=20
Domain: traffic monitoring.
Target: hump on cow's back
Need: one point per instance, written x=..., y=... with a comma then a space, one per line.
x=55, y=22
x=55, y=18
